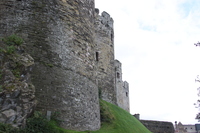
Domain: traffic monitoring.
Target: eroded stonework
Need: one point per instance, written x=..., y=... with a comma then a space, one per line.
x=105, y=60
x=73, y=49
x=122, y=88
x=158, y=126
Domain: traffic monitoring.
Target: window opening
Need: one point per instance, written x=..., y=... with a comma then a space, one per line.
x=118, y=75
x=97, y=56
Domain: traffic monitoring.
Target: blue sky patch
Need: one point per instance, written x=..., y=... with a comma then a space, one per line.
x=188, y=7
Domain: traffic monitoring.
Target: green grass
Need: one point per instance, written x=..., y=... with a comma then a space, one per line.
x=117, y=120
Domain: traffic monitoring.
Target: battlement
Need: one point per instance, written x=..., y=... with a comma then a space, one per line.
x=104, y=25
x=104, y=19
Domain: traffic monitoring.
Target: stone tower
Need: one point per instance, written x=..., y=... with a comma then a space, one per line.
x=122, y=88
x=59, y=35
x=104, y=41
x=73, y=49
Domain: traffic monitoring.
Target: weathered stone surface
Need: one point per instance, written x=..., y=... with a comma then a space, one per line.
x=73, y=51
x=24, y=59
x=15, y=108
x=7, y=76
x=9, y=113
x=59, y=35
x=158, y=126
x=104, y=40
x=122, y=88
x=17, y=93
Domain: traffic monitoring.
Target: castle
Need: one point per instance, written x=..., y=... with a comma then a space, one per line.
x=73, y=50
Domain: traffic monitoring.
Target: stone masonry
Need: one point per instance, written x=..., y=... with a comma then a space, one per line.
x=73, y=50
x=17, y=93
x=122, y=88
x=158, y=126
x=105, y=56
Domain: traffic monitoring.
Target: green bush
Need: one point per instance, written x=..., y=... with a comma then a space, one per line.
x=39, y=124
x=6, y=128
x=10, y=49
x=13, y=40
x=36, y=124
x=10, y=44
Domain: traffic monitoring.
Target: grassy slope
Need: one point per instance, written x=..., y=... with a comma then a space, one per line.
x=117, y=120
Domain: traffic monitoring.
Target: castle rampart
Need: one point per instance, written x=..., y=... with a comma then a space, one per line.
x=73, y=49
x=158, y=126
x=59, y=35
x=122, y=88
x=105, y=50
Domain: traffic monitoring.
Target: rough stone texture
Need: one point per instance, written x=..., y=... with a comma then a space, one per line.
x=17, y=94
x=126, y=96
x=158, y=126
x=73, y=49
x=59, y=35
x=104, y=40
x=16, y=106
x=185, y=128
x=122, y=88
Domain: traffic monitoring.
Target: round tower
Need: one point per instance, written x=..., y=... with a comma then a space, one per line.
x=105, y=56
x=59, y=35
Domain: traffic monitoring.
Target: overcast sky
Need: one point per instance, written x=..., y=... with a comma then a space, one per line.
x=154, y=40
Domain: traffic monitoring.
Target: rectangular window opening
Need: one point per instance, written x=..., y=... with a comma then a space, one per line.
x=97, y=56
x=118, y=75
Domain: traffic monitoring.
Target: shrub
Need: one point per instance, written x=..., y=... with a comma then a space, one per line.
x=13, y=40
x=39, y=124
x=36, y=124
x=6, y=128
x=10, y=49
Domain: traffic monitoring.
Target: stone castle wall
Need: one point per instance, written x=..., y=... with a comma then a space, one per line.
x=122, y=88
x=158, y=126
x=73, y=50
x=105, y=56
x=59, y=35
x=126, y=96
x=17, y=93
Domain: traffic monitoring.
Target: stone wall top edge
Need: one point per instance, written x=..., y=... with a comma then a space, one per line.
x=156, y=121
x=125, y=82
x=103, y=14
x=117, y=61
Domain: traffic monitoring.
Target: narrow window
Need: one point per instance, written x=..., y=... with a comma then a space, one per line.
x=127, y=94
x=118, y=75
x=97, y=56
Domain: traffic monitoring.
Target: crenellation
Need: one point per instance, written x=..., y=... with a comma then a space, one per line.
x=106, y=20
x=104, y=24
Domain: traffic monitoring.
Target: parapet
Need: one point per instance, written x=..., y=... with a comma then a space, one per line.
x=104, y=25
x=126, y=85
x=158, y=126
x=105, y=19
x=118, y=64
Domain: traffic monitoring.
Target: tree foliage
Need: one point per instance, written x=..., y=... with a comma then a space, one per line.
x=197, y=104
